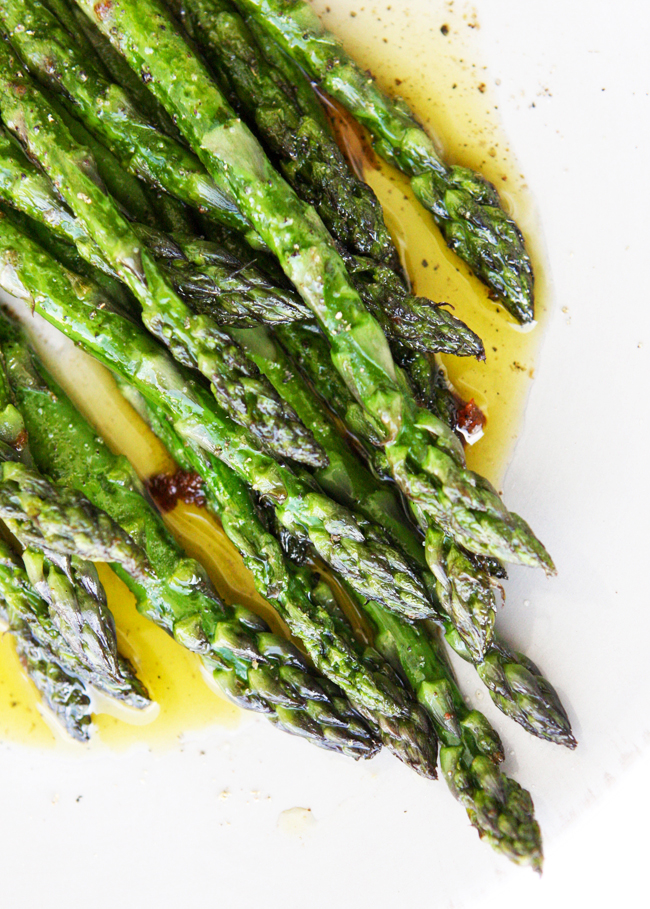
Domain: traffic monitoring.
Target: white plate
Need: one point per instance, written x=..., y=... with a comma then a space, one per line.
x=206, y=822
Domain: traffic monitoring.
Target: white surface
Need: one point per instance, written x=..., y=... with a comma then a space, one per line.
x=202, y=824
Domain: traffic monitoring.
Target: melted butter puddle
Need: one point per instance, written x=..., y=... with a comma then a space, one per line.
x=451, y=98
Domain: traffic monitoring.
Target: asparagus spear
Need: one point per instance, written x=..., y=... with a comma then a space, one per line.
x=75, y=309
x=256, y=668
x=62, y=693
x=406, y=319
x=232, y=291
x=471, y=750
x=308, y=155
x=465, y=206
x=195, y=340
x=27, y=609
x=464, y=591
x=400, y=723
x=62, y=521
x=349, y=544
x=519, y=690
x=299, y=137
x=515, y=683
x=61, y=531
x=106, y=109
x=425, y=457
x=111, y=64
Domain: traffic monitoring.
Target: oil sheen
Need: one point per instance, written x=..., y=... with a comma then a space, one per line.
x=438, y=72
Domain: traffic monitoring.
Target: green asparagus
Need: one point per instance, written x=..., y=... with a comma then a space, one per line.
x=30, y=611
x=60, y=532
x=425, y=457
x=254, y=667
x=515, y=684
x=471, y=750
x=194, y=340
x=463, y=590
x=213, y=280
x=74, y=308
x=519, y=690
x=106, y=109
x=464, y=205
x=299, y=137
x=303, y=145
x=62, y=693
x=110, y=63
x=297, y=595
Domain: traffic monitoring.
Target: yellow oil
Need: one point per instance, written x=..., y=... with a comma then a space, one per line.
x=438, y=74
x=436, y=68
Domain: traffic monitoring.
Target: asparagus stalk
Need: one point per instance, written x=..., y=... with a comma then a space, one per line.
x=107, y=111
x=111, y=64
x=519, y=690
x=195, y=340
x=29, y=611
x=464, y=591
x=350, y=545
x=464, y=205
x=515, y=684
x=425, y=457
x=75, y=309
x=62, y=693
x=255, y=668
x=61, y=531
x=415, y=322
x=307, y=152
x=61, y=521
x=401, y=724
x=471, y=750
x=301, y=140
x=232, y=291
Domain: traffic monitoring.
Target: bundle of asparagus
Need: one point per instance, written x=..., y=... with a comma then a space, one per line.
x=263, y=327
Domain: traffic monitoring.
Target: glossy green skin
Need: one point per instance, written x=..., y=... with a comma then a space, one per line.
x=429, y=383
x=464, y=592
x=61, y=521
x=194, y=340
x=464, y=588
x=516, y=685
x=415, y=322
x=78, y=310
x=28, y=612
x=519, y=690
x=425, y=457
x=466, y=208
x=61, y=532
x=344, y=478
x=78, y=607
x=27, y=189
x=110, y=64
x=309, y=157
x=471, y=750
x=226, y=288
x=297, y=595
x=62, y=693
x=257, y=669
x=107, y=111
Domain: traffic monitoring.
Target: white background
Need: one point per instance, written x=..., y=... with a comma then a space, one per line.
x=203, y=822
